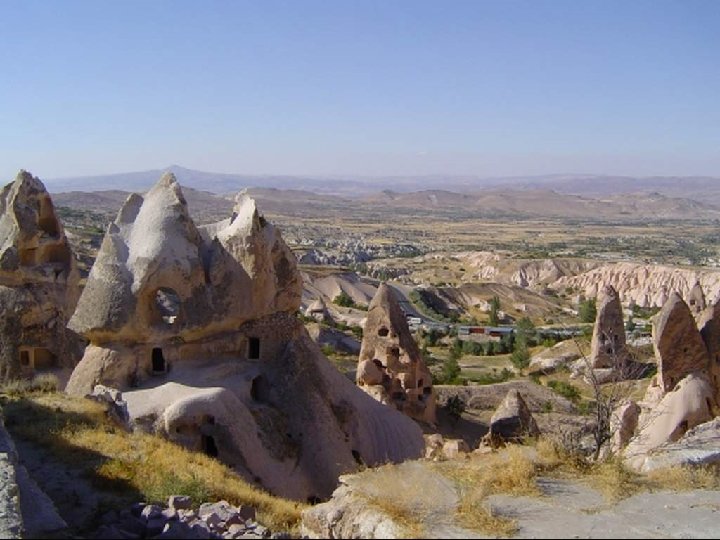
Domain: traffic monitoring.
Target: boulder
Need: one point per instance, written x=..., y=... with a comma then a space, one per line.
x=511, y=422
x=709, y=325
x=623, y=423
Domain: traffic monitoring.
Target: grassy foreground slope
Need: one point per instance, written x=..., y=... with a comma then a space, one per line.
x=128, y=467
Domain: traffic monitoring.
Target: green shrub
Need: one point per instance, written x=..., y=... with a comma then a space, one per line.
x=565, y=389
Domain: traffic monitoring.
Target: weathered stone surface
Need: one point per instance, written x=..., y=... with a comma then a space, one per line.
x=696, y=300
x=689, y=404
x=388, y=343
x=511, y=422
x=607, y=348
x=699, y=446
x=623, y=423
x=38, y=282
x=179, y=502
x=318, y=310
x=709, y=325
x=550, y=360
x=197, y=328
x=454, y=448
x=679, y=349
x=347, y=514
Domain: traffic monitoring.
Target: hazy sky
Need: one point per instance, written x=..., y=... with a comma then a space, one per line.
x=360, y=87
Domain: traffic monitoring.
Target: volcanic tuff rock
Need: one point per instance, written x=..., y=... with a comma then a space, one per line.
x=198, y=329
x=38, y=281
x=690, y=403
x=645, y=285
x=709, y=325
x=696, y=300
x=607, y=348
x=405, y=381
x=679, y=349
x=511, y=421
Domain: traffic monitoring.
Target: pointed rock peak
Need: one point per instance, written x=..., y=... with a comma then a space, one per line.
x=679, y=348
x=130, y=209
x=384, y=297
x=167, y=179
x=25, y=181
x=607, y=293
x=696, y=299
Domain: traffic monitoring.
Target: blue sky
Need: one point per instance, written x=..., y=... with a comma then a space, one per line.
x=390, y=87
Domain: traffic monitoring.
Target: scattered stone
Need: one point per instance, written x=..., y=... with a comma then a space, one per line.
x=180, y=502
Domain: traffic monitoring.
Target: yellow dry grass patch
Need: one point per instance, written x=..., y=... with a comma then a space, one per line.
x=130, y=465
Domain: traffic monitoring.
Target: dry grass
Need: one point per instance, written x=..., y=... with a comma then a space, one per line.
x=133, y=466
x=473, y=513
x=410, y=521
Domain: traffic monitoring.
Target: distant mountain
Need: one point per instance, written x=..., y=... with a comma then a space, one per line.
x=701, y=189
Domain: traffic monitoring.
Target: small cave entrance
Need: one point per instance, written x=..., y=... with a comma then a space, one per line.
x=383, y=331
x=25, y=358
x=158, y=360
x=260, y=389
x=209, y=447
x=253, y=348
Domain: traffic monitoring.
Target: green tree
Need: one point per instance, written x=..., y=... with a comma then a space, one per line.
x=587, y=310
x=344, y=299
x=494, y=318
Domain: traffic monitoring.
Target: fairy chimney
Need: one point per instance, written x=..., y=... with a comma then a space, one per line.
x=38, y=281
x=608, y=349
x=679, y=348
x=388, y=343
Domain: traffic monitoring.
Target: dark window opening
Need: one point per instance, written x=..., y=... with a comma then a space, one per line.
x=208, y=446
x=683, y=427
x=420, y=383
x=167, y=303
x=709, y=405
x=420, y=397
x=210, y=419
x=398, y=395
x=43, y=358
x=158, y=360
x=427, y=390
x=609, y=350
x=260, y=389
x=383, y=331
x=254, y=348
x=378, y=363
x=24, y=358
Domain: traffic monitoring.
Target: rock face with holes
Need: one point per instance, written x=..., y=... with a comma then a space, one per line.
x=696, y=300
x=390, y=367
x=38, y=282
x=607, y=348
x=709, y=325
x=197, y=327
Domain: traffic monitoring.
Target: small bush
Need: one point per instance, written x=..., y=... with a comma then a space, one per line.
x=566, y=390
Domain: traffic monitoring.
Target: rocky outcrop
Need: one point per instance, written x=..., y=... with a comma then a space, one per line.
x=356, y=509
x=559, y=355
x=696, y=300
x=688, y=404
x=38, y=282
x=623, y=423
x=679, y=349
x=607, y=348
x=404, y=380
x=709, y=325
x=197, y=328
x=645, y=285
x=511, y=422
x=699, y=446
